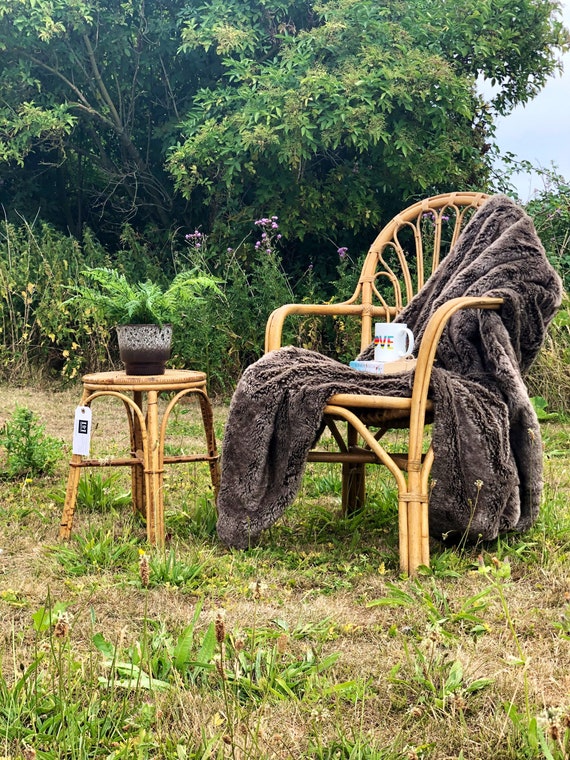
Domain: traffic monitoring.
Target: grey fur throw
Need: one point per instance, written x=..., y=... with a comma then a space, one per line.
x=485, y=429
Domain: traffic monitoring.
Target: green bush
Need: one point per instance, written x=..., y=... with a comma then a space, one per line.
x=29, y=451
x=549, y=376
x=550, y=211
x=45, y=334
x=40, y=334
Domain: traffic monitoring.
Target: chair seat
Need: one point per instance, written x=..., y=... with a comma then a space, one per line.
x=377, y=411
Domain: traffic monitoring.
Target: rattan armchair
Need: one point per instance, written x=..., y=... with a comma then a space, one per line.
x=405, y=253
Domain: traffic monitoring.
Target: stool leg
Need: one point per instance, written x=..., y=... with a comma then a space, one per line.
x=70, y=496
x=72, y=485
x=154, y=475
x=213, y=458
x=137, y=446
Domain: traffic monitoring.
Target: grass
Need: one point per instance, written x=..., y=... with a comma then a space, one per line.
x=309, y=646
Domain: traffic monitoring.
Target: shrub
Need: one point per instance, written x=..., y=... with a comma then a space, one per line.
x=550, y=211
x=549, y=375
x=39, y=332
x=29, y=451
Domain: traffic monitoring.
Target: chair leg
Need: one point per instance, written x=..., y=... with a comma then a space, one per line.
x=353, y=478
x=353, y=487
x=414, y=529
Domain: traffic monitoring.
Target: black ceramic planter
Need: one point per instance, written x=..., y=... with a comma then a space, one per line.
x=144, y=349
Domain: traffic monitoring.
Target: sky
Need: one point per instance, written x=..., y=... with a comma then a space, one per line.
x=540, y=131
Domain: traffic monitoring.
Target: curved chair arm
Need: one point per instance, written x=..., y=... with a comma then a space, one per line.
x=274, y=326
x=424, y=364
x=426, y=358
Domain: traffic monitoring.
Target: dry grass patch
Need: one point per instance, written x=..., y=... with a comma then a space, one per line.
x=310, y=645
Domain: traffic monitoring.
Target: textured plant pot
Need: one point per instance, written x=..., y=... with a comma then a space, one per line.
x=144, y=349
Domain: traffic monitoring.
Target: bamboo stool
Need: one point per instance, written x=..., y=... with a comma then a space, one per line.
x=147, y=436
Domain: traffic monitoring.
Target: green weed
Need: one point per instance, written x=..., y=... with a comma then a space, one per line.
x=168, y=570
x=97, y=550
x=30, y=452
x=545, y=735
x=443, y=611
x=98, y=493
x=435, y=681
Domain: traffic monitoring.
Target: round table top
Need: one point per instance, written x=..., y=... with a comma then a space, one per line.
x=172, y=379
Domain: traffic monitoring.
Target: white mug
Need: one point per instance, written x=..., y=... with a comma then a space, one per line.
x=392, y=341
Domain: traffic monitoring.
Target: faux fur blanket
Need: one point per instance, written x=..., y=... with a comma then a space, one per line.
x=486, y=438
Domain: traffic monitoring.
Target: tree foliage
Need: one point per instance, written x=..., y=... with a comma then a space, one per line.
x=91, y=94
x=330, y=114
x=332, y=111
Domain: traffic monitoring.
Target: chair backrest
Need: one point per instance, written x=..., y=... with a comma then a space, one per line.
x=406, y=252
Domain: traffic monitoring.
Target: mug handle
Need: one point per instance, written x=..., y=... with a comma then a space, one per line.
x=410, y=336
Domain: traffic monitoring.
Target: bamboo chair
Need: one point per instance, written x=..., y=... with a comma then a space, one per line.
x=405, y=253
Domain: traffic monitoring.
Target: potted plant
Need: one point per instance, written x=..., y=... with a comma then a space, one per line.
x=143, y=313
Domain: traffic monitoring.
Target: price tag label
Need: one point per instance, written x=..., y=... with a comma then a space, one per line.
x=82, y=431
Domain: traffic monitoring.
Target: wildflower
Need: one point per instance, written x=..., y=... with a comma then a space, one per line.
x=257, y=589
x=144, y=569
x=220, y=629
x=61, y=628
x=342, y=252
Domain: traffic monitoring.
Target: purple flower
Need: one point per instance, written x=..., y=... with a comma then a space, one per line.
x=342, y=252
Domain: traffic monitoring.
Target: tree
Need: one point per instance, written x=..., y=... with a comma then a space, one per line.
x=329, y=114
x=91, y=93
x=335, y=112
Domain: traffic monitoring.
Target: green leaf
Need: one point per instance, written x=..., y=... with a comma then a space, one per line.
x=208, y=648
x=183, y=648
x=45, y=617
x=104, y=646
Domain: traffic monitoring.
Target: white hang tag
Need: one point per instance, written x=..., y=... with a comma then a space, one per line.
x=82, y=431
